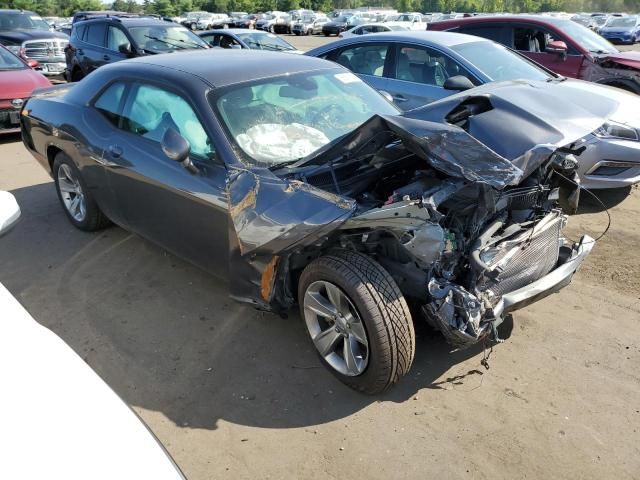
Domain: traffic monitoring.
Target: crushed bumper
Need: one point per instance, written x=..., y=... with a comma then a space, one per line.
x=550, y=283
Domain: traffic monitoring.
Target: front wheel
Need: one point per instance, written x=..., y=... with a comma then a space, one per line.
x=358, y=320
x=75, y=197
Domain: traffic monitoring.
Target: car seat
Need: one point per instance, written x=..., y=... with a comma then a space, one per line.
x=403, y=70
x=375, y=62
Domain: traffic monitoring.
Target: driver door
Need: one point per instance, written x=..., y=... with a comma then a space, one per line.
x=183, y=211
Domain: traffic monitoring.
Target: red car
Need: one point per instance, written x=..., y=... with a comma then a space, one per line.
x=559, y=44
x=17, y=81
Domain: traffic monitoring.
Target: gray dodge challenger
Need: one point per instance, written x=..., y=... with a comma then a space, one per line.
x=297, y=183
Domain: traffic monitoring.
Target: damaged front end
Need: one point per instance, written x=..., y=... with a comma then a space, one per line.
x=467, y=233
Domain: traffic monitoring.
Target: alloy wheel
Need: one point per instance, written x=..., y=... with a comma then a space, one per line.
x=336, y=328
x=71, y=193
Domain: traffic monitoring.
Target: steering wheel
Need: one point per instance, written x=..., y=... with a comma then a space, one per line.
x=328, y=116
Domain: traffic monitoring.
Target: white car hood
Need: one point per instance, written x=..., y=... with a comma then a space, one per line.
x=59, y=419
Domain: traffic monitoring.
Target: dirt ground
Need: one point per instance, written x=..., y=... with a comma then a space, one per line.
x=237, y=394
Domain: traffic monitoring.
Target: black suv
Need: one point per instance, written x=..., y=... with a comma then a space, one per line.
x=30, y=37
x=101, y=40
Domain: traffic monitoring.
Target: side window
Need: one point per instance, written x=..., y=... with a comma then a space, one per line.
x=211, y=40
x=532, y=38
x=96, y=33
x=151, y=111
x=109, y=102
x=368, y=60
x=78, y=32
x=116, y=38
x=494, y=33
x=426, y=65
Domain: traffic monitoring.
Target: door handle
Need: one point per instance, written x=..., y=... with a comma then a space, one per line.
x=115, y=151
x=106, y=57
x=399, y=98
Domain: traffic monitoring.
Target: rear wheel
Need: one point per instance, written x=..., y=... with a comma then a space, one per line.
x=358, y=320
x=193, y=26
x=75, y=197
x=76, y=75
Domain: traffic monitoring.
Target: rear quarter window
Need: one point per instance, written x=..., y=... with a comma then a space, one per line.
x=96, y=34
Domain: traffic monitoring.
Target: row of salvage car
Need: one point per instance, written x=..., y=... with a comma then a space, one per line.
x=299, y=183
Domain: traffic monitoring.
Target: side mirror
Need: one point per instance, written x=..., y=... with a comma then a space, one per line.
x=177, y=148
x=9, y=212
x=458, y=83
x=125, y=49
x=557, y=46
x=386, y=95
x=33, y=63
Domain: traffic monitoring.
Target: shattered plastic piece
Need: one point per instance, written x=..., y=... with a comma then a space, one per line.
x=456, y=313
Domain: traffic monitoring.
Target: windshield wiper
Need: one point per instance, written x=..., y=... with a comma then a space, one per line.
x=192, y=44
x=166, y=42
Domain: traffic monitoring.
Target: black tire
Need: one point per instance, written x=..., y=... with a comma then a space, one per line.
x=76, y=75
x=193, y=26
x=326, y=34
x=94, y=218
x=383, y=310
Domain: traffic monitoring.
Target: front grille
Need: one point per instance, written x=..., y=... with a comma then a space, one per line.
x=525, y=259
x=44, y=49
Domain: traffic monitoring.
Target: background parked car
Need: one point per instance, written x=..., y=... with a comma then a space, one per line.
x=622, y=29
x=416, y=68
x=241, y=38
x=100, y=41
x=372, y=28
x=17, y=81
x=309, y=25
x=191, y=19
x=27, y=35
x=559, y=44
x=337, y=25
x=270, y=20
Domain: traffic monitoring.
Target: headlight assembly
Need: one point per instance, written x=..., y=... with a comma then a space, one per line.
x=612, y=129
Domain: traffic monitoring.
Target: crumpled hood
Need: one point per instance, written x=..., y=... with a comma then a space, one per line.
x=20, y=83
x=629, y=59
x=528, y=113
x=516, y=126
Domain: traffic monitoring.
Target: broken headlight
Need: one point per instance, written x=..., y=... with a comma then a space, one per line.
x=611, y=129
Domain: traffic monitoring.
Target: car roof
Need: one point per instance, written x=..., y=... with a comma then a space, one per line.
x=221, y=67
x=128, y=21
x=446, y=39
x=505, y=19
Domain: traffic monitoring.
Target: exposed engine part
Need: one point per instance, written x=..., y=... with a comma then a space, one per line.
x=425, y=243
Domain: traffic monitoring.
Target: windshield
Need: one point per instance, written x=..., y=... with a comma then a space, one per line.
x=621, y=22
x=405, y=18
x=283, y=119
x=343, y=18
x=265, y=41
x=165, y=38
x=22, y=21
x=8, y=61
x=586, y=38
x=499, y=63
x=599, y=20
